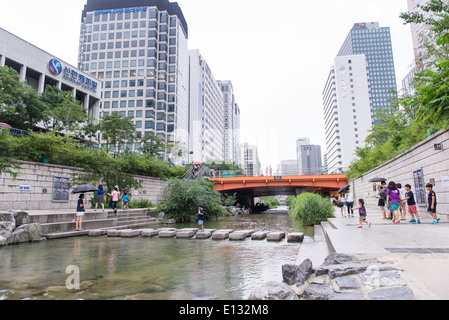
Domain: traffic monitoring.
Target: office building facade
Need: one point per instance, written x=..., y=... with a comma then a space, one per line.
x=207, y=125
x=40, y=69
x=347, y=111
x=288, y=168
x=231, y=123
x=374, y=42
x=250, y=160
x=138, y=48
x=309, y=161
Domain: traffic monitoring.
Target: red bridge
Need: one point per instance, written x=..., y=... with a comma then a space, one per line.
x=250, y=187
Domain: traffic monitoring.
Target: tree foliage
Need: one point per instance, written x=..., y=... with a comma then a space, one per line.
x=311, y=208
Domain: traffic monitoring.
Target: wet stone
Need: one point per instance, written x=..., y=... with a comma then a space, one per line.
x=347, y=283
x=148, y=233
x=97, y=232
x=295, y=237
x=276, y=236
x=130, y=233
x=259, y=235
x=318, y=292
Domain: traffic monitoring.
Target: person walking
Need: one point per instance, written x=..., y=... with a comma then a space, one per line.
x=394, y=197
x=432, y=203
x=349, y=200
x=100, y=197
x=80, y=209
x=411, y=204
x=382, y=196
x=362, y=214
x=201, y=217
x=114, y=199
x=342, y=204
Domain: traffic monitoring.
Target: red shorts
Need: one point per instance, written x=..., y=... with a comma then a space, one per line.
x=412, y=209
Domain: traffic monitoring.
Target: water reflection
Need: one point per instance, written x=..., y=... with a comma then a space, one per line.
x=144, y=268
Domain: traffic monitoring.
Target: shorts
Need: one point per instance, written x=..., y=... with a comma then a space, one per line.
x=395, y=206
x=200, y=222
x=381, y=203
x=363, y=217
x=412, y=209
x=80, y=213
x=429, y=209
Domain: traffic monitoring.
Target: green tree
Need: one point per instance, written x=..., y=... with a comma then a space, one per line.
x=20, y=105
x=311, y=209
x=117, y=131
x=152, y=145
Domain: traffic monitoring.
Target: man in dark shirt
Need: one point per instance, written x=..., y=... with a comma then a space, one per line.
x=432, y=203
x=201, y=217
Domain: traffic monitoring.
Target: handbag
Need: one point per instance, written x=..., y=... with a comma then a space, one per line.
x=340, y=204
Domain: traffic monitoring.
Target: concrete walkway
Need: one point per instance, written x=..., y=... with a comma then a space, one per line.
x=421, y=251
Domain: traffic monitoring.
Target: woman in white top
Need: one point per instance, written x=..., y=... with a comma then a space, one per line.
x=402, y=207
x=349, y=199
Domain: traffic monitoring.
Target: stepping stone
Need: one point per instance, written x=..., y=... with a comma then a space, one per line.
x=114, y=233
x=259, y=235
x=167, y=229
x=97, y=232
x=130, y=233
x=185, y=234
x=221, y=234
x=295, y=237
x=276, y=236
x=195, y=230
x=206, y=234
x=148, y=233
x=167, y=234
x=240, y=234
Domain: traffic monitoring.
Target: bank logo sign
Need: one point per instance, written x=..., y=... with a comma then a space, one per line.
x=55, y=67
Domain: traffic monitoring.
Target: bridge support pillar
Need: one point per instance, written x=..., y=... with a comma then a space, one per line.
x=298, y=191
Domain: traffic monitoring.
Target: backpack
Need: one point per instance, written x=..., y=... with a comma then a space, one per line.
x=383, y=194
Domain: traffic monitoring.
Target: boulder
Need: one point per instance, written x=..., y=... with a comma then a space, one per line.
x=2, y=241
x=8, y=217
x=318, y=292
x=340, y=270
x=273, y=291
x=297, y=274
x=6, y=227
x=34, y=231
x=21, y=217
x=337, y=258
x=18, y=236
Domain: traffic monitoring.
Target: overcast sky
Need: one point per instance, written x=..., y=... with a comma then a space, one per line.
x=277, y=54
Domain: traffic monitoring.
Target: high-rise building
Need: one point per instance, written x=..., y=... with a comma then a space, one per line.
x=138, y=48
x=419, y=31
x=231, y=123
x=207, y=124
x=289, y=168
x=375, y=43
x=347, y=111
x=308, y=160
x=250, y=160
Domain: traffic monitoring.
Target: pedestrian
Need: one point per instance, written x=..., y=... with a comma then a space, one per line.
x=114, y=199
x=432, y=203
x=411, y=204
x=341, y=204
x=80, y=209
x=402, y=206
x=382, y=196
x=201, y=217
x=394, y=197
x=349, y=200
x=100, y=197
x=125, y=200
x=362, y=214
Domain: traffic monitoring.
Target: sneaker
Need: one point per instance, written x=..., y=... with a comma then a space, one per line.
x=419, y=221
x=359, y=227
x=434, y=222
x=398, y=222
x=413, y=220
x=438, y=220
x=369, y=226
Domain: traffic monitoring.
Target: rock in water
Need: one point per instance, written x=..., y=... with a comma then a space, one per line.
x=296, y=274
x=273, y=291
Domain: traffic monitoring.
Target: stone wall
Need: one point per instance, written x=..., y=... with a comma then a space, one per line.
x=424, y=156
x=37, y=181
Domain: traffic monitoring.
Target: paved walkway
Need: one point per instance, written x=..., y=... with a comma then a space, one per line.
x=421, y=251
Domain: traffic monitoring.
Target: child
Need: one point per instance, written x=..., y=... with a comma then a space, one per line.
x=114, y=195
x=201, y=217
x=411, y=203
x=402, y=205
x=432, y=203
x=394, y=197
x=80, y=213
x=362, y=214
x=125, y=200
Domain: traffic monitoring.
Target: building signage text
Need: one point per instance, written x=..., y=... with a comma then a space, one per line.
x=123, y=10
x=79, y=79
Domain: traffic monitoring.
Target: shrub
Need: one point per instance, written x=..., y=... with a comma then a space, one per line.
x=271, y=202
x=311, y=209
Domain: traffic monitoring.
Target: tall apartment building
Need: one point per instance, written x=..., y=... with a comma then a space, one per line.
x=207, y=114
x=138, y=48
x=309, y=161
x=419, y=31
x=231, y=124
x=374, y=42
x=347, y=110
x=250, y=160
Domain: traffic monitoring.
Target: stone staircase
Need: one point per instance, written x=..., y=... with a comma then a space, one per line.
x=62, y=225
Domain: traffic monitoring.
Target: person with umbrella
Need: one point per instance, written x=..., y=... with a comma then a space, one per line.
x=80, y=213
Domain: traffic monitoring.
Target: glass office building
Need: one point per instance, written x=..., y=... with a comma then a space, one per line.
x=375, y=43
x=138, y=48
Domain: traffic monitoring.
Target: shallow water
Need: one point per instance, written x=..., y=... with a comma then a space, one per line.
x=150, y=268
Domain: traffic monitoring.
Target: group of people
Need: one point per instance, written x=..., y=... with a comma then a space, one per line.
x=395, y=199
x=101, y=199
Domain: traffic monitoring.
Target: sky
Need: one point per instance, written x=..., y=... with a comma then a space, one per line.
x=276, y=53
